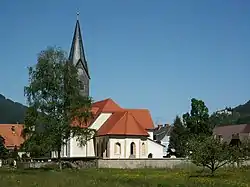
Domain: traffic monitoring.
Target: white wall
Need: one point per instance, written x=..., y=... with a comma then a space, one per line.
x=150, y=147
x=102, y=118
x=125, y=147
x=165, y=141
x=156, y=149
x=73, y=149
x=151, y=135
x=85, y=151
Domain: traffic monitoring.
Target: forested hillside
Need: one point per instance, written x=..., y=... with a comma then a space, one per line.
x=237, y=115
x=244, y=111
x=10, y=111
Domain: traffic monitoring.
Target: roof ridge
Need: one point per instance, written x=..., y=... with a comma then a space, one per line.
x=136, y=121
x=117, y=120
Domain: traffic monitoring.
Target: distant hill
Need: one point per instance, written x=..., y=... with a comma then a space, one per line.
x=11, y=112
x=244, y=111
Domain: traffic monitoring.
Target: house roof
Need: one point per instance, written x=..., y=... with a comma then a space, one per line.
x=103, y=106
x=161, y=131
x=12, y=134
x=143, y=116
x=228, y=131
x=122, y=123
x=106, y=105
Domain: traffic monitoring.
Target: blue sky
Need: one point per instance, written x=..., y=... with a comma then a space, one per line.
x=143, y=54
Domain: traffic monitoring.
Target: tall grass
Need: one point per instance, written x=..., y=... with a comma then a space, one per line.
x=123, y=178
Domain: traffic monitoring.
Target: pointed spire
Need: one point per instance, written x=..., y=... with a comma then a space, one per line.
x=76, y=55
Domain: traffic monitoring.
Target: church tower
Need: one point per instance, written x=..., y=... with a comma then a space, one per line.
x=77, y=57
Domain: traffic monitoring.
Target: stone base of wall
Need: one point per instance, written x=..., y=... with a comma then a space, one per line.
x=167, y=163
x=33, y=165
x=83, y=164
x=144, y=163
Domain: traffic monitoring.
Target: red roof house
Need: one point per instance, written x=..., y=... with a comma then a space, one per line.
x=12, y=135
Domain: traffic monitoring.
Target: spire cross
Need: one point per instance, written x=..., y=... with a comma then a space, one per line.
x=77, y=15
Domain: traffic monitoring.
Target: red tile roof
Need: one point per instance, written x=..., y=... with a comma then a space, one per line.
x=122, y=121
x=143, y=116
x=12, y=134
x=106, y=105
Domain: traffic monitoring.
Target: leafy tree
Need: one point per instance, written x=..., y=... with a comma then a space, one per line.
x=3, y=149
x=36, y=146
x=14, y=154
x=197, y=121
x=178, y=137
x=54, y=100
x=211, y=153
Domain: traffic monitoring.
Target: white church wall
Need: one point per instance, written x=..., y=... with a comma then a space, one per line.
x=88, y=150
x=141, y=148
x=151, y=135
x=73, y=149
x=81, y=151
x=155, y=149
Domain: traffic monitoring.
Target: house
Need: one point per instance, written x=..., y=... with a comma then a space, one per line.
x=227, y=111
x=161, y=134
x=232, y=133
x=12, y=134
x=120, y=133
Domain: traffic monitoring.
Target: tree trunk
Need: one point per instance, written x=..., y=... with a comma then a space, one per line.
x=59, y=159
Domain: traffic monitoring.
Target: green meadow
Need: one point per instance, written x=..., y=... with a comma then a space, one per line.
x=123, y=178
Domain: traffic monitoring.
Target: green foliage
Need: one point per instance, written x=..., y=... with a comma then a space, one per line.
x=36, y=146
x=217, y=119
x=54, y=99
x=14, y=154
x=11, y=112
x=197, y=121
x=212, y=153
x=3, y=150
x=178, y=137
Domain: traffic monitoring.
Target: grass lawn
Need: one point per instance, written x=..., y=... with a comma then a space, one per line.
x=122, y=178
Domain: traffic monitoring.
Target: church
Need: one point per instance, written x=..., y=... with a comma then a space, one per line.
x=120, y=132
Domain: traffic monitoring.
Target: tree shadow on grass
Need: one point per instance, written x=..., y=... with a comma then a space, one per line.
x=209, y=175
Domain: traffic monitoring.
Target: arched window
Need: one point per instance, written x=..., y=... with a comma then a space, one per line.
x=132, y=148
x=150, y=155
x=117, y=148
x=143, y=148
